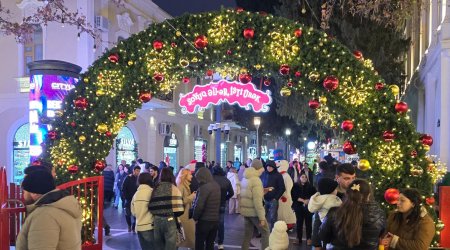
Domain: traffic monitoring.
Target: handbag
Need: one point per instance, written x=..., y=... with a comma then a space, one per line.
x=181, y=236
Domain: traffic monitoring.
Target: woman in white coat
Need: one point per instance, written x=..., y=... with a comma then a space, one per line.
x=139, y=209
x=233, y=206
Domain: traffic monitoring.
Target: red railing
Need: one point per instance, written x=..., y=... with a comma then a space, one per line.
x=88, y=191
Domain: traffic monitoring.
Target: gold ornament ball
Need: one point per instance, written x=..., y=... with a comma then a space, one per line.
x=194, y=60
x=440, y=226
x=100, y=92
x=323, y=100
x=58, y=113
x=130, y=63
x=85, y=80
x=416, y=171
x=364, y=165
x=285, y=91
x=243, y=71
x=426, y=147
x=102, y=128
x=178, y=33
x=184, y=62
x=132, y=116
x=314, y=76
x=258, y=66
x=82, y=138
x=395, y=89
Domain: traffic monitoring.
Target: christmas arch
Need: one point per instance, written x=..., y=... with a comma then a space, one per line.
x=343, y=88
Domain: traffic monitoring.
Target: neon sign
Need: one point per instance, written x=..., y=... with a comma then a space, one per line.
x=214, y=93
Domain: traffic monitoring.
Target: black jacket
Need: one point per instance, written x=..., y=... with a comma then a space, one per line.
x=301, y=191
x=207, y=203
x=129, y=187
x=108, y=180
x=226, y=189
x=374, y=223
x=275, y=180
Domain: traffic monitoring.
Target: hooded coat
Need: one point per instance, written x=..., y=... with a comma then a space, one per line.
x=323, y=203
x=252, y=193
x=226, y=189
x=207, y=202
x=52, y=222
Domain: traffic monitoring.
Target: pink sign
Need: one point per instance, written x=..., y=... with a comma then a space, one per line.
x=214, y=93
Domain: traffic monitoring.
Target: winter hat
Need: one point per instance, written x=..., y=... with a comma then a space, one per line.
x=256, y=164
x=327, y=186
x=278, y=154
x=38, y=182
x=270, y=163
x=279, y=239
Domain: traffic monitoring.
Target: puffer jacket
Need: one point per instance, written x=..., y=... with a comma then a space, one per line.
x=322, y=203
x=235, y=183
x=374, y=224
x=226, y=189
x=252, y=195
x=139, y=208
x=207, y=202
x=53, y=222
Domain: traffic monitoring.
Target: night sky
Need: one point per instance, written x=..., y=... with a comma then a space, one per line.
x=179, y=7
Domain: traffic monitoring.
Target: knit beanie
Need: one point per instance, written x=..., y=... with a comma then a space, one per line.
x=256, y=164
x=38, y=182
x=326, y=186
x=279, y=239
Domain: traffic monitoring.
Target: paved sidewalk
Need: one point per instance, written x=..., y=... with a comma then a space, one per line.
x=121, y=239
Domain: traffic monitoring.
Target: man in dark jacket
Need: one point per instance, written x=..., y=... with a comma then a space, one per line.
x=226, y=192
x=206, y=209
x=129, y=188
x=274, y=188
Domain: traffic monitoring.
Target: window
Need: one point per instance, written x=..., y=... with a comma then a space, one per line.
x=21, y=152
x=33, y=49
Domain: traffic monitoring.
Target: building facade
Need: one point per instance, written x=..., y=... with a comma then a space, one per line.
x=160, y=132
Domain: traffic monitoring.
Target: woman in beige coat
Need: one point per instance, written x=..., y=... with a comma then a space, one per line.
x=183, y=181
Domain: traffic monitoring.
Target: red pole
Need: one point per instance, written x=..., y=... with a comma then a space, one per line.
x=444, y=214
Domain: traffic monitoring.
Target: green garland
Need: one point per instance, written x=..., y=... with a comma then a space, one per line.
x=154, y=61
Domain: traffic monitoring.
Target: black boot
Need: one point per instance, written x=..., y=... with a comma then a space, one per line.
x=133, y=227
x=107, y=230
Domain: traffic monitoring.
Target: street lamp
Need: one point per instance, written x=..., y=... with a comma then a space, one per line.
x=287, y=133
x=257, y=122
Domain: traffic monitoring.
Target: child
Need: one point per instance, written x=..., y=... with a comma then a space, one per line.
x=233, y=203
x=279, y=239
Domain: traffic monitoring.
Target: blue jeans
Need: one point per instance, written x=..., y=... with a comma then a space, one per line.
x=165, y=231
x=221, y=234
x=146, y=239
x=271, y=212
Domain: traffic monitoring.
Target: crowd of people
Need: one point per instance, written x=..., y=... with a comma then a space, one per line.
x=336, y=209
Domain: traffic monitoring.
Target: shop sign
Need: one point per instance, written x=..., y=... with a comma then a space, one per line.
x=171, y=141
x=214, y=93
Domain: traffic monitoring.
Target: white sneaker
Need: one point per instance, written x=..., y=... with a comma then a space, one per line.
x=220, y=247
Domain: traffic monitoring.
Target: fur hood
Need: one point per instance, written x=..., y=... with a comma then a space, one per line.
x=322, y=203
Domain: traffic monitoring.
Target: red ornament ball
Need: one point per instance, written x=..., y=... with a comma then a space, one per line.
x=158, y=77
x=99, y=165
x=114, y=58
x=298, y=32
x=145, y=97
x=290, y=84
x=358, y=54
x=349, y=148
x=186, y=80
x=173, y=44
x=314, y=104
x=209, y=72
x=379, y=86
x=229, y=52
x=108, y=133
x=347, y=125
x=158, y=45
x=266, y=82
x=391, y=195
x=122, y=115
x=81, y=103
x=73, y=169
x=430, y=200
x=245, y=78
x=201, y=42
x=401, y=107
x=52, y=135
x=388, y=136
x=426, y=139
x=284, y=69
x=239, y=9
x=248, y=33
x=330, y=83
x=73, y=124
x=413, y=154
x=298, y=73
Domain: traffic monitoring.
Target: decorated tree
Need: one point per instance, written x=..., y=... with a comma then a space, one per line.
x=341, y=86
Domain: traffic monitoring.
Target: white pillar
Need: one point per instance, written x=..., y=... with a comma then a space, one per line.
x=444, y=150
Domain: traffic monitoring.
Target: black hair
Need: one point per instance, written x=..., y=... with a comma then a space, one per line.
x=414, y=196
x=145, y=178
x=167, y=176
x=155, y=168
x=323, y=165
x=136, y=167
x=346, y=168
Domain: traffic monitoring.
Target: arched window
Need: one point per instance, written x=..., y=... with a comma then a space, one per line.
x=126, y=146
x=21, y=152
x=33, y=49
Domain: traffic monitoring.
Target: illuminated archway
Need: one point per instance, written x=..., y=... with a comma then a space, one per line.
x=343, y=88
